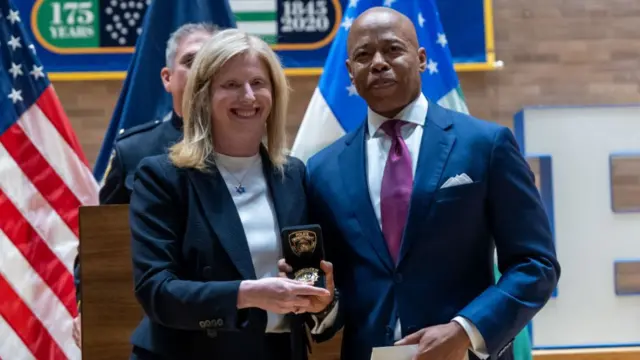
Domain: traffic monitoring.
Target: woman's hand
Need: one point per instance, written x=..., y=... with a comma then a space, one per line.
x=278, y=295
x=316, y=303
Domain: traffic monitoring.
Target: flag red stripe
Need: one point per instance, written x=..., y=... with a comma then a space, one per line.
x=27, y=326
x=37, y=253
x=42, y=175
x=50, y=105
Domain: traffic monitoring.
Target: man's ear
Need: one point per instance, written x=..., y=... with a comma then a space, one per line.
x=348, y=64
x=165, y=75
x=422, y=57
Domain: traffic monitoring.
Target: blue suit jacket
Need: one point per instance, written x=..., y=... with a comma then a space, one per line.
x=446, y=261
x=190, y=254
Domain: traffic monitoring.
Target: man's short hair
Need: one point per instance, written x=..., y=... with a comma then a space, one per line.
x=180, y=34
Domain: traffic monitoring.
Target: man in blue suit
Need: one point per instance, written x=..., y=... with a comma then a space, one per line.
x=412, y=205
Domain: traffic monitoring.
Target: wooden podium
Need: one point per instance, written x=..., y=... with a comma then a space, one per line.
x=110, y=311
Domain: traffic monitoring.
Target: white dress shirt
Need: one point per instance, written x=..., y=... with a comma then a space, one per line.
x=377, y=147
x=258, y=218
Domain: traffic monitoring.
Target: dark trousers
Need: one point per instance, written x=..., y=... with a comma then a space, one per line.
x=276, y=347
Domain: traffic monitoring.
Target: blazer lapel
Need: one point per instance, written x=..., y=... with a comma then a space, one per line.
x=223, y=217
x=435, y=147
x=283, y=199
x=354, y=175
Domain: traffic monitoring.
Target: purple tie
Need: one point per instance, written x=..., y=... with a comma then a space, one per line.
x=397, y=183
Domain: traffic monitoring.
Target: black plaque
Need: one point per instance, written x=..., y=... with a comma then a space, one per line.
x=303, y=250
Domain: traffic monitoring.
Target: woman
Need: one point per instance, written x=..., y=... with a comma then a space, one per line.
x=206, y=217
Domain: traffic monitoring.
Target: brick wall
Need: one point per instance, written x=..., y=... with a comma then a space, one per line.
x=555, y=52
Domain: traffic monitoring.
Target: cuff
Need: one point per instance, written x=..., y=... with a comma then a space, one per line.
x=322, y=324
x=478, y=346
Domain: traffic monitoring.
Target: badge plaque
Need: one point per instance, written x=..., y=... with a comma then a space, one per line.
x=303, y=250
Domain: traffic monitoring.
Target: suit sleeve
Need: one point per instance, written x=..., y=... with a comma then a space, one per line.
x=525, y=248
x=325, y=329
x=157, y=227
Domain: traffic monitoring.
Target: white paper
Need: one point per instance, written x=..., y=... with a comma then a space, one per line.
x=405, y=352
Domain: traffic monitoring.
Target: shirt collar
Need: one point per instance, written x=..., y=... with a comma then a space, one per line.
x=415, y=112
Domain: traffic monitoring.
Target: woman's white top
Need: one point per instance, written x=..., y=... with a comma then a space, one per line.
x=258, y=217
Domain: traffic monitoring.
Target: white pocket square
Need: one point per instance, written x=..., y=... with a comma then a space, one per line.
x=457, y=180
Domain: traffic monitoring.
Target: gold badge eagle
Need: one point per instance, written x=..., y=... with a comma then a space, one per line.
x=303, y=241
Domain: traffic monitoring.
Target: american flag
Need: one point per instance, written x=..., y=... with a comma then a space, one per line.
x=44, y=179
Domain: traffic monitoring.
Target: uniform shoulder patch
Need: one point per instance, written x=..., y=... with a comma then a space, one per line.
x=122, y=134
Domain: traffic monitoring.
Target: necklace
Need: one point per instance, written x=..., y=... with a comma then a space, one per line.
x=239, y=188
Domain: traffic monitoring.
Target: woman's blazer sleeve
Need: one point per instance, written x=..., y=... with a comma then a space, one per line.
x=157, y=218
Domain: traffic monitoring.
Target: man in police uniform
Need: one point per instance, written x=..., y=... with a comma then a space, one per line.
x=152, y=138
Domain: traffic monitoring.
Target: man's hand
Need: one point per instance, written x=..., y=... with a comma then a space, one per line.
x=442, y=342
x=316, y=303
x=77, y=333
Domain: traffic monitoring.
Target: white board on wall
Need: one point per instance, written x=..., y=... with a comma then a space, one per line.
x=589, y=236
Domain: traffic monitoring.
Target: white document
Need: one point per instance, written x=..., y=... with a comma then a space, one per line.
x=406, y=352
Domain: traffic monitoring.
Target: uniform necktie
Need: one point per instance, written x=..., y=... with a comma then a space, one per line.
x=395, y=192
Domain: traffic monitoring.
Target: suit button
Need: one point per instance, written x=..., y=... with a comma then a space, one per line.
x=207, y=272
x=202, y=324
x=219, y=323
x=398, y=278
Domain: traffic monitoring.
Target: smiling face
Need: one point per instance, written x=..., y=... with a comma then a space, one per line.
x=175, y=79
x=385, y=61
x=241, y=96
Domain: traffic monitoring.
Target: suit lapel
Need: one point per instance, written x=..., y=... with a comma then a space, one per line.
x=223, y=217
x=435, y=147
x=354, y=175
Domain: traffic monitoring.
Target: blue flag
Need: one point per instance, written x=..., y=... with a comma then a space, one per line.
x=143, y=98
x=336, y=108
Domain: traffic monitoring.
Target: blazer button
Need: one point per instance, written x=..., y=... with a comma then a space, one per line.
x=388, y=332
x=202, y=324
x=207, y=272
x=219, y=323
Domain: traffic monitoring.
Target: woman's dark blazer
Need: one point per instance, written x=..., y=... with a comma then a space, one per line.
x=190, y=254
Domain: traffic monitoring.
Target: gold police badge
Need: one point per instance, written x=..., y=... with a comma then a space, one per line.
x=303, y=241
x=307, y=275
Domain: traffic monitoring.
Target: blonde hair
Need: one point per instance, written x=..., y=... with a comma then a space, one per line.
x=196, y=147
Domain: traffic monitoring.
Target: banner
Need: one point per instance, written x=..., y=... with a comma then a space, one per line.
x=94, y=39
